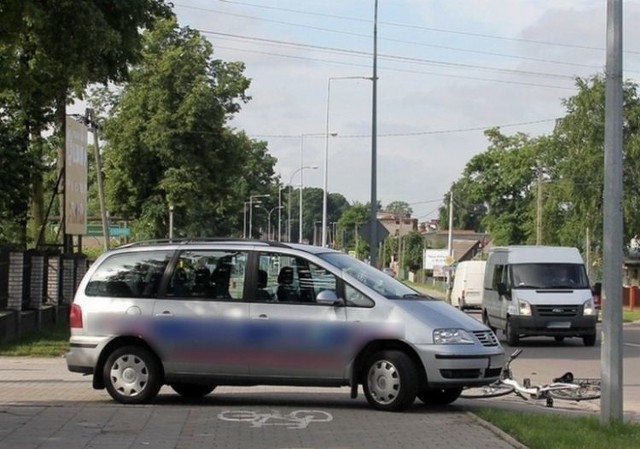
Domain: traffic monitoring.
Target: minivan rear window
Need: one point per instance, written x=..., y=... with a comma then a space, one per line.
x=129, y=275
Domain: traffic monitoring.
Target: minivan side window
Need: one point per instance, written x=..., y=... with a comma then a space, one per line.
x=209, y=274
x=290, y=279
x=129, y=275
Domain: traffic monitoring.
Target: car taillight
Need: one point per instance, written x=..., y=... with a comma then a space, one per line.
x=75, y=316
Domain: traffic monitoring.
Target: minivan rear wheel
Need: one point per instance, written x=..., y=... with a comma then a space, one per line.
x=390, y=381
x=132, y=375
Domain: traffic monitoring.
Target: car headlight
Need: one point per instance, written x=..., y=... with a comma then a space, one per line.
x=588, y=308
x=451, y=337
x=524, y=308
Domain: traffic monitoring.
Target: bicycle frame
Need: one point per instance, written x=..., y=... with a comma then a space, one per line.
x=564, y=387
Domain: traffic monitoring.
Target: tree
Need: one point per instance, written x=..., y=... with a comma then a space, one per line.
x=50, y=50
x=171, y=119
x=399, y=209
x=349, y=222
x=497, y=186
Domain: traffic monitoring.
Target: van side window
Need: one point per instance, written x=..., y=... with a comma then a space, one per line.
x=499, y=275
x=129, y=275
x=209, y=274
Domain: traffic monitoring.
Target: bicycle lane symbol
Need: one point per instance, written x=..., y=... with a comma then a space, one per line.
x=298, y=419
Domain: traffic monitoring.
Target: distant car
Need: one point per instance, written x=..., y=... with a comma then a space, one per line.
x=389, y=271
x=198, y=314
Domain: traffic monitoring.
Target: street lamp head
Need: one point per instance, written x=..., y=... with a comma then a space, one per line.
x=333, y=134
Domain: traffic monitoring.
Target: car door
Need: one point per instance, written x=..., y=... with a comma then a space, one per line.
x=200, y=320
x=294, y=336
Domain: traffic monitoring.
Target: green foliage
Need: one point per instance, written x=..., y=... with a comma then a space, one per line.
x=498, y=191
x=171, y=119
x=348, y=237
x=399, y=208
x=49, y=51
x=52, y=341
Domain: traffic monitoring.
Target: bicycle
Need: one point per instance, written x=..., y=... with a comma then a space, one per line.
x=565, y=387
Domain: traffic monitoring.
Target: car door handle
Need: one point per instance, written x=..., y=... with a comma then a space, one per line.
x=165, y=313
x=262, y=316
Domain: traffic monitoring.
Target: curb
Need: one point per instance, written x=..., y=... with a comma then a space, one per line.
x=497, y=431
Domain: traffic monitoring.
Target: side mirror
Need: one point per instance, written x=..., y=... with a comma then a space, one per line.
x=329, y=298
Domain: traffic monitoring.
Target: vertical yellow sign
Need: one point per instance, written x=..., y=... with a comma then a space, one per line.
x=75, y=178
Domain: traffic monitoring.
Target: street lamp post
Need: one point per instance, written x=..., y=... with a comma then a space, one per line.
x=326, y=153
x=269, y=221
x=255, y=203
x=310, y=167
x=251, y=197
x=171, y=222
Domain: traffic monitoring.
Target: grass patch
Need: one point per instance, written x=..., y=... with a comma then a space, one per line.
x=630, y=315
x=51, y=341
x=552, y=431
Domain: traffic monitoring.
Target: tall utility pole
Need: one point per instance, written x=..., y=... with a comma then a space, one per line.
x=373, y=250
x=539, y=209
x=611, y=353
x=91, y=120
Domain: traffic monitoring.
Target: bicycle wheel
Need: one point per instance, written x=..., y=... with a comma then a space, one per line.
x=579, y=390
x=487, y=391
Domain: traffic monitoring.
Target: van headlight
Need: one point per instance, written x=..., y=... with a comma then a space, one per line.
x=524, y=308
x=588, y=308
x=451, y=337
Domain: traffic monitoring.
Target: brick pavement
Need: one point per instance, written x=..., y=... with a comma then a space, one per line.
x=44, y=406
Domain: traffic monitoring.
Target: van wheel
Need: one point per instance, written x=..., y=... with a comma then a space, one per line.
x=439, y=396
x=485, y=321
x=390, y=381
x=512, y=337
x=589, y=340
x=132, y=375
x=192, y=390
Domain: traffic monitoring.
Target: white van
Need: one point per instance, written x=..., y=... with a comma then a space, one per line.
x=467, y=284
x=538, y=291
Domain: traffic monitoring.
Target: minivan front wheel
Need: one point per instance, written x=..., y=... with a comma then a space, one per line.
x=390, y=381
x=132, y=375
x=192, y=391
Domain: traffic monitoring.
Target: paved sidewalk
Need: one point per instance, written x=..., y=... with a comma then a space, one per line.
x=44, y=406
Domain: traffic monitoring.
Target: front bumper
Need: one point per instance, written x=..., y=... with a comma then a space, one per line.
x=449, y=366
x=553, y=326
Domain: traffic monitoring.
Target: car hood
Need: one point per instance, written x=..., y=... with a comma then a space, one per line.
x=438, y=315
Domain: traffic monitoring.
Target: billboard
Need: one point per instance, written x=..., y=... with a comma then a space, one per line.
x=75, y=178
x=435, y=258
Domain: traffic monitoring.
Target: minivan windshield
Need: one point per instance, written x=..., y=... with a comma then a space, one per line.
x=372, y=277
x=549, y=275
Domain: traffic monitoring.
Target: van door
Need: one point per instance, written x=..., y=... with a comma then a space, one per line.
x=293, y=335
x=199, y=322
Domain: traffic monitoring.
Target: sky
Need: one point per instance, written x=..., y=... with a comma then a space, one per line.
x=447, y=70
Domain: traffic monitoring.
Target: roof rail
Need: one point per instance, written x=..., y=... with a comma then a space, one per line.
x=185, y=240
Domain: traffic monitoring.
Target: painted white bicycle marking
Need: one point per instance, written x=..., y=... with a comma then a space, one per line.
x=298, y=419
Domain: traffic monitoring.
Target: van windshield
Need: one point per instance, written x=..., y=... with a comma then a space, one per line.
x=549, y=275
x=372, y=277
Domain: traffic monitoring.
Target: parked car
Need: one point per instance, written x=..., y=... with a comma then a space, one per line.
x=198, y=314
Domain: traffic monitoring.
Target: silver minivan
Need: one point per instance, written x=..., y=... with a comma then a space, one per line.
x=201, y=313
